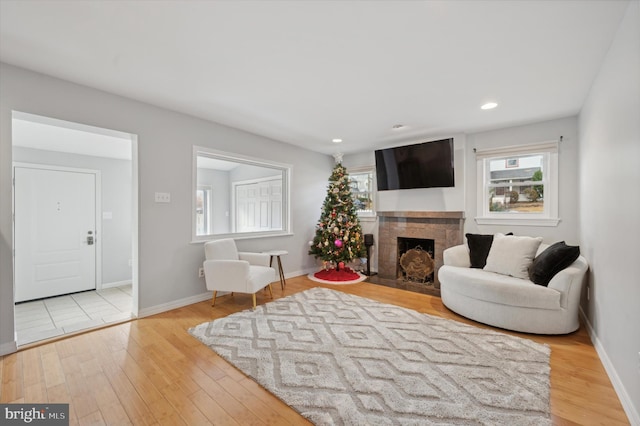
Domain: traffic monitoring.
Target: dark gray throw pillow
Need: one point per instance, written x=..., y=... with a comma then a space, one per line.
x=551, y=261
x=479, y=246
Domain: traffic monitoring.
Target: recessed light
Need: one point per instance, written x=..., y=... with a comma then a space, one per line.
x=489, y=105
x=336, y=140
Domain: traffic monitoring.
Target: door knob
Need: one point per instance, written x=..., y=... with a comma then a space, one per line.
x=90, y=238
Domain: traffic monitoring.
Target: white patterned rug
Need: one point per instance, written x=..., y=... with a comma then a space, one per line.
x=342, y=359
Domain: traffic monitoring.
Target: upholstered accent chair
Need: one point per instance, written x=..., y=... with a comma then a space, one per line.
x=226, y=269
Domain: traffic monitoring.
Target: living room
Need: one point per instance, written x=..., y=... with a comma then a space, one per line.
x=598, y=143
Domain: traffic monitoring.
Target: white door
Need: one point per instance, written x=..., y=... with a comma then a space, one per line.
x=55, y=226
x=259, y=206
x=247, y=207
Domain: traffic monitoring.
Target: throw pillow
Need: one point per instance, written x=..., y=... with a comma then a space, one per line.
x=511, y=255
x=479, y=246
x=552, y=260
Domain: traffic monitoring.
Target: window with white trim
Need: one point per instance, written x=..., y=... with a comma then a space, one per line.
x=518, y=185
x=362, y=191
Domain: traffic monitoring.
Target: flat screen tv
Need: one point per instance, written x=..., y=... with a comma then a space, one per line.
x=423, y=165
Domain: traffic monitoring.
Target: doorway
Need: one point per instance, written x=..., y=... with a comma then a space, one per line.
x=75, y=226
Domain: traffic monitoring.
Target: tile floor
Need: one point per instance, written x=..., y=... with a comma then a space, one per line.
x=43, y=319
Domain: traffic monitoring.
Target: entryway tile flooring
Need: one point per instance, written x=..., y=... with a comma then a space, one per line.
x=47, y=318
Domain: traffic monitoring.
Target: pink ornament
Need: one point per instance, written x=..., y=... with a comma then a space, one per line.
x=338, y=243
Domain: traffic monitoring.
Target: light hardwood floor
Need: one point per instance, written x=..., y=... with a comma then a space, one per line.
x=151, y=371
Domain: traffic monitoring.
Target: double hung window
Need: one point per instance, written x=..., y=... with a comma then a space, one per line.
x=518, y=185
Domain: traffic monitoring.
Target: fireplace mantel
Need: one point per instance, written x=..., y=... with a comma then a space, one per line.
x=446, y=228
x=423, y=214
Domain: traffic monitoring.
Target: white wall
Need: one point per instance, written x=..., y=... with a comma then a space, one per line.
x=168, y=263
x=609, y=189
x=116, y=199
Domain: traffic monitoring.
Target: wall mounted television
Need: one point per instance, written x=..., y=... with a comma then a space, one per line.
x=422, y=165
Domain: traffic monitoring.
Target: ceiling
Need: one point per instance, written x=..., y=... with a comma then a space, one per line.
x=305, y=72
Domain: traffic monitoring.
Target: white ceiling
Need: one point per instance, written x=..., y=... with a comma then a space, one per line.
x=306, y=72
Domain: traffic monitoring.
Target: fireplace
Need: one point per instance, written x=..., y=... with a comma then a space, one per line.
x=415, y=260
x=444, y=229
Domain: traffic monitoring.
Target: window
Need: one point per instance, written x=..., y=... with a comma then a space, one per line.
x=518, y=185
x=361, y=180
x=238, y=196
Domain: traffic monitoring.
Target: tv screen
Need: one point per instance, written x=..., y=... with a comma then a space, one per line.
x=423, y=165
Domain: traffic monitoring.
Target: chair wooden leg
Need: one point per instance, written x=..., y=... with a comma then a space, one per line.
x=270, y=291
x=213, y=299
x=254, y=301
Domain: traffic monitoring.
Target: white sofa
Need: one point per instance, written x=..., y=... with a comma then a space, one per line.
x=512, y=303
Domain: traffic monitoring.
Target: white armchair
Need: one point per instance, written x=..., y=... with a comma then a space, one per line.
x=226, y=269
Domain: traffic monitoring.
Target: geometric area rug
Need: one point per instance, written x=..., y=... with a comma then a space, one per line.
x=342, y=359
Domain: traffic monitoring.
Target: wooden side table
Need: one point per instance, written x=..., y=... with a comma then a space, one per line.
x=277, y=254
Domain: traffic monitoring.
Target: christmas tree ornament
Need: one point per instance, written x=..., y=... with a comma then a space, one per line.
x=337, y=243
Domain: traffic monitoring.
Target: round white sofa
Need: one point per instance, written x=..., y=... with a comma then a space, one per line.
x=512, y=303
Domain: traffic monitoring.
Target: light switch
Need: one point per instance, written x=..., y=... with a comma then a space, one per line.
x=163, y=197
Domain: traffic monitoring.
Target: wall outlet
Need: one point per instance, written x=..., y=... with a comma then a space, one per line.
x=163, y=197
x=200, y=272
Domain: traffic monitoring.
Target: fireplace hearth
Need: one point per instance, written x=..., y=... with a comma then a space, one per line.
x=397, y=231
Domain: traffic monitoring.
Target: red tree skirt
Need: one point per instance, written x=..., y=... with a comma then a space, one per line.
x=346, y=274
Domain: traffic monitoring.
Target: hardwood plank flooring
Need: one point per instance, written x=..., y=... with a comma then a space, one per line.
x=151, y=371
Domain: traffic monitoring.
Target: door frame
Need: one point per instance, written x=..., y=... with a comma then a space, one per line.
x=98, y=210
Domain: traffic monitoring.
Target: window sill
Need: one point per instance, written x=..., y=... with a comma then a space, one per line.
x=513, y=221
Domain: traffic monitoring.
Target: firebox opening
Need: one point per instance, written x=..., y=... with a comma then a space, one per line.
x=415, y=260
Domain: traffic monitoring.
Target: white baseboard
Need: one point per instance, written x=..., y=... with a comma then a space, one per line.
x=627, y=404
x=175, y=304
x=304, y=272
x=115, y=284
x=8, y=348
x=202, y=297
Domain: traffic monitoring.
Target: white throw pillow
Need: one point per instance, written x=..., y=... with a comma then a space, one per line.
x=511, y=255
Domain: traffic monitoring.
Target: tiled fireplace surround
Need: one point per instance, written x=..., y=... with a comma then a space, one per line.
x=445, y=228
